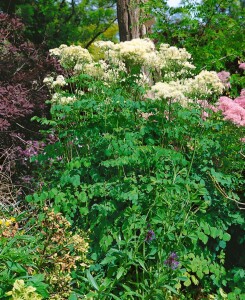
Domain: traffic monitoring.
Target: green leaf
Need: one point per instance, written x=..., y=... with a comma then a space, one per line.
x=73, y=296
x=222, y=244
x=187, y=282
x=206, y=228
x=194, y=279
x=120, y=272
x=83, y=211
x=205, y=269
x=114, y=297
x=81, y=196
x=15, y=267
x=149, y=188
x=108, y=259
x=200, y=274
x=226, y=237
x=141, y=264
x=214, y=232
x=171, y=289
x=76, y=180
x=203, y=237
x=182, y=278
x=92, y=280
x=37, y=278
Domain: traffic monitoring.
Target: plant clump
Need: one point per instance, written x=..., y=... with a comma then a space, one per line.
x=146, y=161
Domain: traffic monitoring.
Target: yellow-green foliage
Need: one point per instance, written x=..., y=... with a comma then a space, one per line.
x=22, y=292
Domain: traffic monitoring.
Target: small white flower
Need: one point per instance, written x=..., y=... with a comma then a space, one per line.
x=60, y=81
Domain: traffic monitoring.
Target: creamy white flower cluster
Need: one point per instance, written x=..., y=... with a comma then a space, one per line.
x=134, y=51
x=71, y=56
x=200, y=87
x=102, y=70
x=170, y=66
x=173, y=90
x=170, y=62
x=61, y=99
x=174, y=62
x=140, y=52
x=205, y=83
x=59, y=82
x=112, y=72
x=167, y=53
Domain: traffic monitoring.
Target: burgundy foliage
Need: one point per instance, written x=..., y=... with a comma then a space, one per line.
x=23, y=67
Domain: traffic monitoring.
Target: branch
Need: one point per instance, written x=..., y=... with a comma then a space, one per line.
x=223, y=193
x=98, y=34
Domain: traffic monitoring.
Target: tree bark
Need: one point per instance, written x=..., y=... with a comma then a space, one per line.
x=129, y=15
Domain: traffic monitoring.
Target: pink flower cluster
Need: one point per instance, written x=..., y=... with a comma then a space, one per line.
x=224, y=78
x=233, y=110
x=242, y=66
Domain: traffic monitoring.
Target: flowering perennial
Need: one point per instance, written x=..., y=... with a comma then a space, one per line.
x=172, y=90
x=8, y=227
x=233, y=110
x=174, y=62
x=166, y=71
x=225, y=78
x=150, y=235
x=72, y=55
x=134, y=51
x=204, y=84
x=171, y=261
x=62, y=99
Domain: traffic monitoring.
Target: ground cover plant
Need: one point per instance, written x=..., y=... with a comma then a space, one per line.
x=35, y=263
x=148, y=160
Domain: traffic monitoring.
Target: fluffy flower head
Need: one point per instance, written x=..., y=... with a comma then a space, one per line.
x=224, y=78
x=232, y=111
x=59, y=82
x=134, y=51
x=172, y=90
x=205, y=83
x=72, y=55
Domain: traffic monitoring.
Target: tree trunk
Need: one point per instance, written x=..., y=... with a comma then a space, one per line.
x=129, y=15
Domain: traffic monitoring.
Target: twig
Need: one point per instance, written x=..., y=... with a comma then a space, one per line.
x=223, y=193
x=27, y=129
x=19, y=69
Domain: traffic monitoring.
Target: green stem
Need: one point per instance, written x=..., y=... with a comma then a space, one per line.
x=192, y=159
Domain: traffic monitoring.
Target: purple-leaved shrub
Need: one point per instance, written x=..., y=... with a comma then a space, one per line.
x=22, y=96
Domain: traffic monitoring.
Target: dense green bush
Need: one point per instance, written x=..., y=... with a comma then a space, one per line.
x=157, y=183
